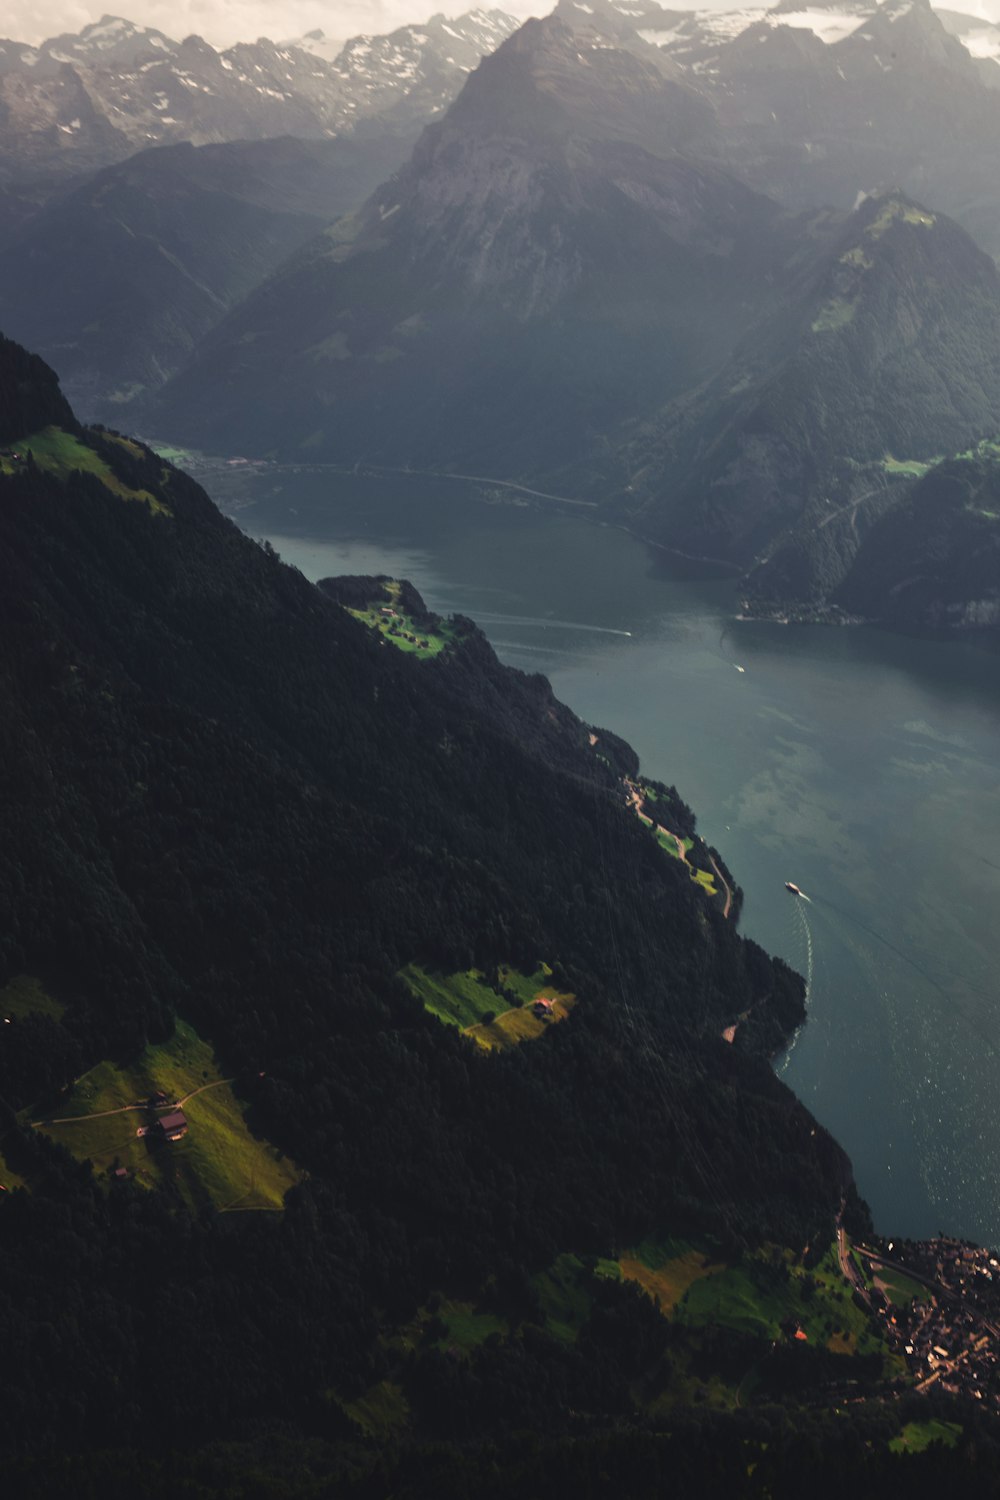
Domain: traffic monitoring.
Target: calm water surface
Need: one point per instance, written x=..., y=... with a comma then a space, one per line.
x=862, y=765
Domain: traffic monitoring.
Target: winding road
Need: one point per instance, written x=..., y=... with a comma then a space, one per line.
x=636, y=801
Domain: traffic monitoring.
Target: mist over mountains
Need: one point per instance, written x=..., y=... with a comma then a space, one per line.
x=632, y=260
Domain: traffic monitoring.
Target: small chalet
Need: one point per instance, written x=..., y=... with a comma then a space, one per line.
x=174, y=1125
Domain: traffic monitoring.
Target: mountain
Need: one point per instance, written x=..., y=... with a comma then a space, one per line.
x=82, y=101
x=934, y=561
x=116, y=281
x=887, y=354
x=250, y=846
x=980, y=38
x=560, y=289
x=553, y=257
x=816, y=104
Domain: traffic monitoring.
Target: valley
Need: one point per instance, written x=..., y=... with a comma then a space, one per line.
x=435, y=455
x=836, y=758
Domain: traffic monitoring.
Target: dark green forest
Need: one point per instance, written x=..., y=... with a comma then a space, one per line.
x=226, y=800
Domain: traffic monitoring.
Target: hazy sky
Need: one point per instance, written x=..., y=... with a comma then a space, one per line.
x=226, y=21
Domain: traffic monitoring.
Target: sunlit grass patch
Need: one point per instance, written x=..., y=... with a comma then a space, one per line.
x=218, y=1161
x=914, y=468
x=61, y=453
x=763, y=1295
x=401, y=629
x=522, y=1025
x=481, y=1004
x=900, y=1289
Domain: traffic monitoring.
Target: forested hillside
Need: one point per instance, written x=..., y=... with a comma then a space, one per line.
x=230, y=801
x=301, y=851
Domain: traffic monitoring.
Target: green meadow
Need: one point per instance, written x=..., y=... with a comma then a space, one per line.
x=401, y=629
x=219, y=1162
x=899, y=1288
x=470, y=1001
x=761, y=1293
x=60, y=453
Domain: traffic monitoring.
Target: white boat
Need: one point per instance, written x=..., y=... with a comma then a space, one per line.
x=790, y=886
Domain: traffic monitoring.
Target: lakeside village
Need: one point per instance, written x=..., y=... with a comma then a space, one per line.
x=939, y=1304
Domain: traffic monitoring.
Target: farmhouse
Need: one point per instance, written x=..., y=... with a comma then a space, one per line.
x=173, y=1125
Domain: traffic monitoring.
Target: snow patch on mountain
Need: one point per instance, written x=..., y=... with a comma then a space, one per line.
x=829, y=25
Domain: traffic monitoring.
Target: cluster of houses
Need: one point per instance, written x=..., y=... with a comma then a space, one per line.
x=388, y=613
x=951, y=1340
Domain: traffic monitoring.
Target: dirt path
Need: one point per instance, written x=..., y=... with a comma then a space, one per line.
x=105, y=1114
x=102, y=1114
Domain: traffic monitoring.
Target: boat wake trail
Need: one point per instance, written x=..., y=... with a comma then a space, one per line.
x=497, y=619
x=807, y=935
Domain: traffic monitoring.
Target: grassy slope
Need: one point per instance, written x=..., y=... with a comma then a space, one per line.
x=465, y=999
x=754, y=1297
x=405, y=625
x=218, y=1161
x=60, y=453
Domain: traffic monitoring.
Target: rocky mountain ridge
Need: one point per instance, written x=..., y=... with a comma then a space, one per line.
x=81, y=101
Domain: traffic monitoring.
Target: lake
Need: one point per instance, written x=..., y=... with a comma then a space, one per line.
x=859, y=764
